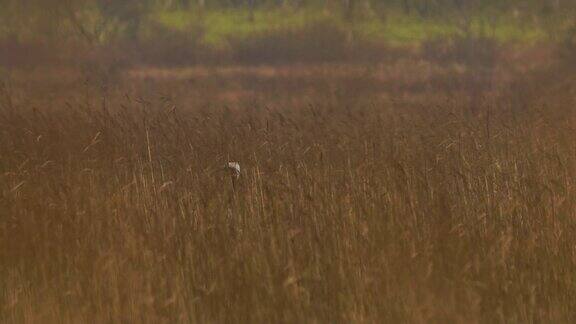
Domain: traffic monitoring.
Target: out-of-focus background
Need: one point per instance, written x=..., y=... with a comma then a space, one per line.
x=486, y=44
x=380, y=46
x=187, y=32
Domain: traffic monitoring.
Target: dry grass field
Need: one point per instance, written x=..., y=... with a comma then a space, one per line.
x=405, y=193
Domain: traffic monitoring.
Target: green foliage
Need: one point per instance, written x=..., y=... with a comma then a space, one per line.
x=398, y=22
x=221, y=25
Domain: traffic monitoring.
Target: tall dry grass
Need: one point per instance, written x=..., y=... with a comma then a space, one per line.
x=114, y=208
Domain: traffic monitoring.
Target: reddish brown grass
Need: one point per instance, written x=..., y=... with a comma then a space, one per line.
x=360, y=201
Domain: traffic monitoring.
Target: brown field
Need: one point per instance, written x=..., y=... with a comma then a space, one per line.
x=405, y=192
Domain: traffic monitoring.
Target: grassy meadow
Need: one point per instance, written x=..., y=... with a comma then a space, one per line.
x=381, y=181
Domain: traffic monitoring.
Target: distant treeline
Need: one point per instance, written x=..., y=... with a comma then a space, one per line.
x=418, y=6
x=91, y=17
x=422, y=7
x=18, y=13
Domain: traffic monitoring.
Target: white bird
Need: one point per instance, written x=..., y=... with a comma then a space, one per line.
x=234, y=168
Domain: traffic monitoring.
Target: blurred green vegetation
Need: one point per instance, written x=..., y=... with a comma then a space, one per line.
x=185, y=32
x=218, y=21
x=218, y=26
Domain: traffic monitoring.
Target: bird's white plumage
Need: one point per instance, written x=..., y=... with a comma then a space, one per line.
x=234, y=167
